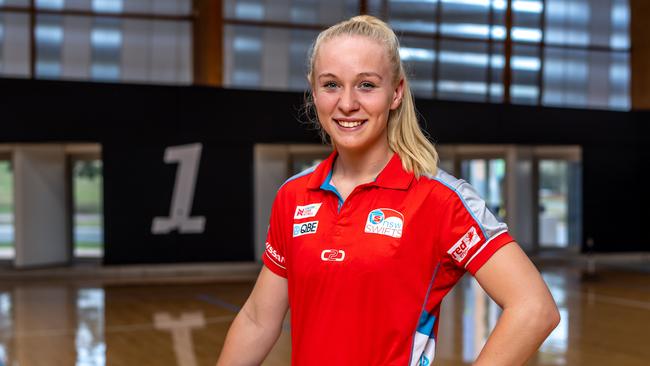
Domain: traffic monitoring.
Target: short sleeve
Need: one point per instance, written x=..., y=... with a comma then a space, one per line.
x=275, y=256
x=470, y=233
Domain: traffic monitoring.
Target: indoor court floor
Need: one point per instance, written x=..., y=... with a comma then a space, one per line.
x=77, y=321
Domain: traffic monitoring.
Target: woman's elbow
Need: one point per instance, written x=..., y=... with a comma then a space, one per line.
x=552, y=316
x=547, y=315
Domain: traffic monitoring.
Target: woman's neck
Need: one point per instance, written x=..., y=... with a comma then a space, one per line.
x=361, y=167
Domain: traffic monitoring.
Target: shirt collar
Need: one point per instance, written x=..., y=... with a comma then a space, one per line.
x=393, y=176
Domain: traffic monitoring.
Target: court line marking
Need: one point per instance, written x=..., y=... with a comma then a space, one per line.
x=614, y=300
x=107, y=329
x=218, y=302
x=286, y=325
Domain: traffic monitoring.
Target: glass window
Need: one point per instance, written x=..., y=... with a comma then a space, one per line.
x=267, y=58
x=526, y=66
x=15, y=3
x=495, y=71
x=456, y=49
x=619, y=37
x=418, y=55
x=463, y=70
x=377, y=8
x=106, y=44
x=49, y=40
x=413, y=15
x=145, y=46
x=156, y=51
x=301, y=41
x=49, y=4
x=243, y=56
x=582, y=78
x=113, y=49
x=294, y=11
x=472, y=19
x=526, y=21
x=14, y=44
x=567, y=22
x=159, y=7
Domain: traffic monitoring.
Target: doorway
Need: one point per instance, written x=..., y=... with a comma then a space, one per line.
x=488, y=177
x=7, y=251
x=536, y=190
x=87, y=204
x=558, y=199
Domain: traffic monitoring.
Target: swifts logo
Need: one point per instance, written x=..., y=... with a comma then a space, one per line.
x=303, y=212
x=305, y=228
x=461, y=248
x=385, y=221
x=332, y=255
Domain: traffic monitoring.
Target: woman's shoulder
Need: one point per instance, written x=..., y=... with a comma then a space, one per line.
x=297, y=182
x=445, y=185
x=443, y=179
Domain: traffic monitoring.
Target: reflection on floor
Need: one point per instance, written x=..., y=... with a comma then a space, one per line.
x=605, y=321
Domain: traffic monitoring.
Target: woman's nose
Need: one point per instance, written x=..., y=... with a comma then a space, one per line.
x=348, y=102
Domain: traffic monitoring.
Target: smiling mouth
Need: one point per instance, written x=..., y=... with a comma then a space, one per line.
x=350, y=124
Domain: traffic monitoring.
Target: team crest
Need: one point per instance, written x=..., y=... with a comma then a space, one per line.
x=385, y=221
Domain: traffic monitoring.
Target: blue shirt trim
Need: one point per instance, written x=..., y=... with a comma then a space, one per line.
x=421, y=326
x=327, y=186
x=301, y=174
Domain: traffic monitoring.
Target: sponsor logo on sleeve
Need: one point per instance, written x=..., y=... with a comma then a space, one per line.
x=385, y=221
x=306, y=211
x=271, y=252
x=305, y=228
x=332, y=255
x=462, y=246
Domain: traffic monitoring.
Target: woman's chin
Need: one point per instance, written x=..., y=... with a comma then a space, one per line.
x=355, y=146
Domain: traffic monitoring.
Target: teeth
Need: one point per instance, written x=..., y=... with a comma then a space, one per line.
x=349, y=124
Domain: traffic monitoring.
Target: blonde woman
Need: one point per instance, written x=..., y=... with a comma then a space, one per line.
x=364, y=246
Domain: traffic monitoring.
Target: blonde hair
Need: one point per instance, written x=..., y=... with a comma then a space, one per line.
x=405, y=137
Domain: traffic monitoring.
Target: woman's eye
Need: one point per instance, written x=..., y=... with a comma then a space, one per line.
x=366, y=85
x=330, y=85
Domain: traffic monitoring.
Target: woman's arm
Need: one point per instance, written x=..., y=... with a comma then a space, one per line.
x=259, y=323
x=529, y=311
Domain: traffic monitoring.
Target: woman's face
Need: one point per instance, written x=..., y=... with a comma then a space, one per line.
x=354, y=92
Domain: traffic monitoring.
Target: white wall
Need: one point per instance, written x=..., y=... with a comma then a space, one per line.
x=42, y=215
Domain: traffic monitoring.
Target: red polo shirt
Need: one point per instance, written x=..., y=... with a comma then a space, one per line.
x=366, y=276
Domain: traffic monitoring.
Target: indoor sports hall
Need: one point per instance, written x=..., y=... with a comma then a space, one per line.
x=142, y=144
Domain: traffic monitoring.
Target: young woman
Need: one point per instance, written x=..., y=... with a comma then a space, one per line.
x=364, y=246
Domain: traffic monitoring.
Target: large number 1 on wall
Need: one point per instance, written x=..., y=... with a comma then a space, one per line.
x=187, y=157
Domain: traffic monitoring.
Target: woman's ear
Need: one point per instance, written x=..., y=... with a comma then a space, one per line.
x=397, y=95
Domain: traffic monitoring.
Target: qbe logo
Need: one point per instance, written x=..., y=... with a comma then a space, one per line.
x=305, y=228
x=463, y=245
x=332, y=255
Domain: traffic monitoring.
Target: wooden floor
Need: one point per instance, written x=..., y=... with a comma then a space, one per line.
x=605, y=321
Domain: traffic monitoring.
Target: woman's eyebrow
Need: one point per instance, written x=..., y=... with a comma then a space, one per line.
x=361, y=74
x=327, y=75
x=367, y=74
